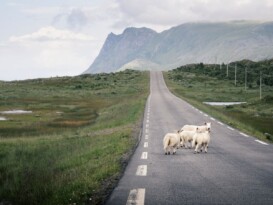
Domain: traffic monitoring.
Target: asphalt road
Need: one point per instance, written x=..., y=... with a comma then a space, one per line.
x=236, y=170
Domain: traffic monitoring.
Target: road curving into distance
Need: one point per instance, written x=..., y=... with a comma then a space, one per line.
x=238, y=169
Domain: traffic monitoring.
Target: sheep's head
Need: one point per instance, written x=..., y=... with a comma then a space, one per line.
x=208, y=124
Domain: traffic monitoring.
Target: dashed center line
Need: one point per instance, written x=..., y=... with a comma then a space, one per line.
x=147, y=125
x=141, y=170
x=205, y=115
x=136, y=197
x=144, y=155
x=146, y=137
x=212, y=118
x=220, y=123
x=147, y=131
x=261, y=142
x=145, y=144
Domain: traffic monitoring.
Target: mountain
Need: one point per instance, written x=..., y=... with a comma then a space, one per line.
x=184, y=44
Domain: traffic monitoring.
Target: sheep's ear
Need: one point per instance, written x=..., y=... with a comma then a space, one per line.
x=197, y=128
x=205, y=123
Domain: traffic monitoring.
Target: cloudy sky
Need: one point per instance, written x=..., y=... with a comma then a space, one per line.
x=50, y=38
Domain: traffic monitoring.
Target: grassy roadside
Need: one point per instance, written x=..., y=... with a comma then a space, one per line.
x=74, y=145
x=254, y=117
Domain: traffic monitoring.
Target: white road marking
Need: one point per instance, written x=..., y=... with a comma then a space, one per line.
x=141, y=170
x=147, y=131
x=205, y=115
x=146, y=137
x=261, y=142
x=145, y=144
x=230, y=128
x=144, y=155
x=212, y=118
x=244, y=134
x=147, y=125
x=147, y=121
x=220, y=123
x=201, y=112
x=136, y=197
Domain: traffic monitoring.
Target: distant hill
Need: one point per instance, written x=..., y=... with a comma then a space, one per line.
x=184, y=44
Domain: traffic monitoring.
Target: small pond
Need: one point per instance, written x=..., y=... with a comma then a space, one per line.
x=223, y=103
x=16, y=112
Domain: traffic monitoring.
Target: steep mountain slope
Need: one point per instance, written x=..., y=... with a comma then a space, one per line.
x=121, y=49
x=187, y=43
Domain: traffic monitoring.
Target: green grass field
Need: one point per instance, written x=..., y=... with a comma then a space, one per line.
x=255, y=117
x=73, y=146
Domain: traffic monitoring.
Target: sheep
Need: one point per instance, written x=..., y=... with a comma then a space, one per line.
x=205, y=127
x=171, y=141
x=201, y=140
x=186, y=136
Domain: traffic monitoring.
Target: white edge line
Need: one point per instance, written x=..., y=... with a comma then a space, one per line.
x=220, y=123
x=244, y=134
x=230, y=128
x=261, y=142
x=212, y=118
x=136, y=196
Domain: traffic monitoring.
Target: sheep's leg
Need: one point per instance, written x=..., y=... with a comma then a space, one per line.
x=196, y=149
x=206, y=148
x=174, y=150
x=190, y=146
x=193, y=144
x=166, y=150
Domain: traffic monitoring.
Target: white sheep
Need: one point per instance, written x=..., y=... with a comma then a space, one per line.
x=201, y=140
x=186, y=137
x=171, y=141
x=205, y=127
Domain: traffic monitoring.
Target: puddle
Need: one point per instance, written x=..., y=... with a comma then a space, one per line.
x=223, y=103
x=16, y=112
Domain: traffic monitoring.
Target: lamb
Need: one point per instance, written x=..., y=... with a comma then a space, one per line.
x=205, y=127
x=186, y=137
x=171, y=141
x=201, y=140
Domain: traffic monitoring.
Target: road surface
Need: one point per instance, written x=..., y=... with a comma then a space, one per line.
x=236, y=170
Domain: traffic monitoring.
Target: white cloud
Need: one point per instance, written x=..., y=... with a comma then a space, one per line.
x=52, y=34
x=162, y=13
x=40, y=10
x=47, y=52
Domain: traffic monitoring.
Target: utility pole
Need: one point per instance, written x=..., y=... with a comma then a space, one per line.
x=260, y=85
x=235, y=80
x=227, y=70
x=245, y=77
